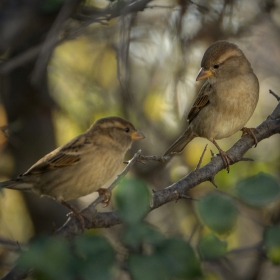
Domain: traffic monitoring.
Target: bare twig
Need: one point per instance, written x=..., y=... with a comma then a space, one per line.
x=275, y=95
x=201, y=158
x=206, y=173
x=21, y=59
x=212, y=153
x=44, y=50
x=266, y=129
x=212, y=180
x=51, y=40
x=11, y=244
x=154, y=158
x=125, y=23
x=161, y=7
x=256, y=247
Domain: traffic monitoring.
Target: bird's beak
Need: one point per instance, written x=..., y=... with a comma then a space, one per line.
x=203, y=74
x=137, y=135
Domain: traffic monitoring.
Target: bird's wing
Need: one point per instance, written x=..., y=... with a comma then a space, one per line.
x=67, y=155
x=201, y=101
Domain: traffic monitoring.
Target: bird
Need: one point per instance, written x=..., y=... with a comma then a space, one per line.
x=225, y=102
x=81, y=166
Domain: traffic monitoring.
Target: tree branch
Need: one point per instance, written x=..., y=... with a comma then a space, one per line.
x=174, y=192
x=266, y=129
x=91, y=16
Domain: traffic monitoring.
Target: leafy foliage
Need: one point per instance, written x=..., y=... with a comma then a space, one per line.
x=149, y=254
x=161, y=257
x=61, y=259
x=218, y=212
x=132, y=198
x=259, y=190
x=272, y=243
x=211, y=247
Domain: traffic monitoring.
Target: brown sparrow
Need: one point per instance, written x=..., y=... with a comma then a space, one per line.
x=225, y=102
x=81, y=166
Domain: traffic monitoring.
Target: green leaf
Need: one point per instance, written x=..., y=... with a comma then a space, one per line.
x=132, y=198
x=49, y=257
x=146, y=267
x=272, y=243
x=211, y=247
x=178, y=258
x=259, y=190
x=96, y=257
x=169, y=259
x=56, y=258
x=218, y=212
x=135, y=235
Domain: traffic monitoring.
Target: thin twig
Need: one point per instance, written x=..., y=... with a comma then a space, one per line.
x=206, y=173
x=12, y=244
x=212, y=153
x=256, y=247
x=20, y=59
x=123, y=52
x=51, y=40
x=161, y=197
x=201, y=158
x=161, y=6
x=212, y=180
x=154, y=158
x=266, y=129
x=275, y=95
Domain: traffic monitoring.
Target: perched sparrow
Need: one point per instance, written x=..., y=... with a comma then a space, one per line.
x=81, y=166
x=226, y=101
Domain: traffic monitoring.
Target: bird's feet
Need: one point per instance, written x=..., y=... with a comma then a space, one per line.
x=75, y=212
x=226, y=159
x=107, y=196
x=250, y=131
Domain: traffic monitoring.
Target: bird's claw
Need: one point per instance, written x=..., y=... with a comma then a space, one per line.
x=226, y=159
x=75, y=213
x=107, y=196
x=250, y=131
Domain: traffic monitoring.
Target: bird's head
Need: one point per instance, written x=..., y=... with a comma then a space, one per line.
x=120, y=131
x=222, y=60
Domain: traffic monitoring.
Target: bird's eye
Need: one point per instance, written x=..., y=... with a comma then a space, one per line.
x=126, y=129
x=216, y=66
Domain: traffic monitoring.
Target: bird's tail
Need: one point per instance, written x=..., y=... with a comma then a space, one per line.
x=178, y=146
x=15, y=185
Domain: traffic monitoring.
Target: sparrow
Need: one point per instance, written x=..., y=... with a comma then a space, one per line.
x=225, y=102
x=81, y=166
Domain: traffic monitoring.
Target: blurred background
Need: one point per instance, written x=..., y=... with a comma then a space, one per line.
x=64, y=64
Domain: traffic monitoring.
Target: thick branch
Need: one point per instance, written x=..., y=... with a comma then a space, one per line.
x=266, y=129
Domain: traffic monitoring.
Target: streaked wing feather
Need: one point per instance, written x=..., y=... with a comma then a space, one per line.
x=201, y=101
x=67, y=155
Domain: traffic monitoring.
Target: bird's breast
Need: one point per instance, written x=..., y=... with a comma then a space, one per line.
x=87, y=176
x=231, y=104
